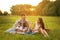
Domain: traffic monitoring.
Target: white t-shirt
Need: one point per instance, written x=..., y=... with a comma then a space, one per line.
x=36, y=26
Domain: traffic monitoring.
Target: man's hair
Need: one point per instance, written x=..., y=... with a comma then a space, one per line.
x=22, y=14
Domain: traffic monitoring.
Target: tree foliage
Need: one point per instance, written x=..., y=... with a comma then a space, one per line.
x=0, y=12
x=44, y=8
x=5, y=13
x=18, y=9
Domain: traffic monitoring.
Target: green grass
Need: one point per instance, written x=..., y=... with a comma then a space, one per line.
x=52, y=23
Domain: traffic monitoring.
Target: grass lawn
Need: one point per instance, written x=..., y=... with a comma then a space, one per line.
x=51, y=22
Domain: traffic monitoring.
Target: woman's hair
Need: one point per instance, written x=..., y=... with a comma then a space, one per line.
x=41, y=22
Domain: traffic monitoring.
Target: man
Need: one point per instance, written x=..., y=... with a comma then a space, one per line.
x=22, y=27
x=24, y=24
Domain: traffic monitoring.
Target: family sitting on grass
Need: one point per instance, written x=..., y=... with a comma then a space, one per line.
x=22, y=26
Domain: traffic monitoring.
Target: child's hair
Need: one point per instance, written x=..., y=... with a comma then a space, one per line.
x=18, y=24
x=25, y=24
x=41, y=22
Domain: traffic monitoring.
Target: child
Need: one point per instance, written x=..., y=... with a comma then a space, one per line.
x=18, y=27
x=21, y=28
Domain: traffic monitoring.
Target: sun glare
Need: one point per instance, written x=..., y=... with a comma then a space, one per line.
x=53, y=0
x=6, y=4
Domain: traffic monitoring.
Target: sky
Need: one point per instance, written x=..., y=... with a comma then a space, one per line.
x=5, y=5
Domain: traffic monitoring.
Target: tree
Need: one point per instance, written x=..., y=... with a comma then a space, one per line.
x=5, y=13
x=18, y=9
x=41, y=6
x=57, y=4
x=50, y=9
x=0, y=12
x=47, y=8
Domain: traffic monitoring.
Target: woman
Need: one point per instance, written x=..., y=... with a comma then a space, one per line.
x=39, y=27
